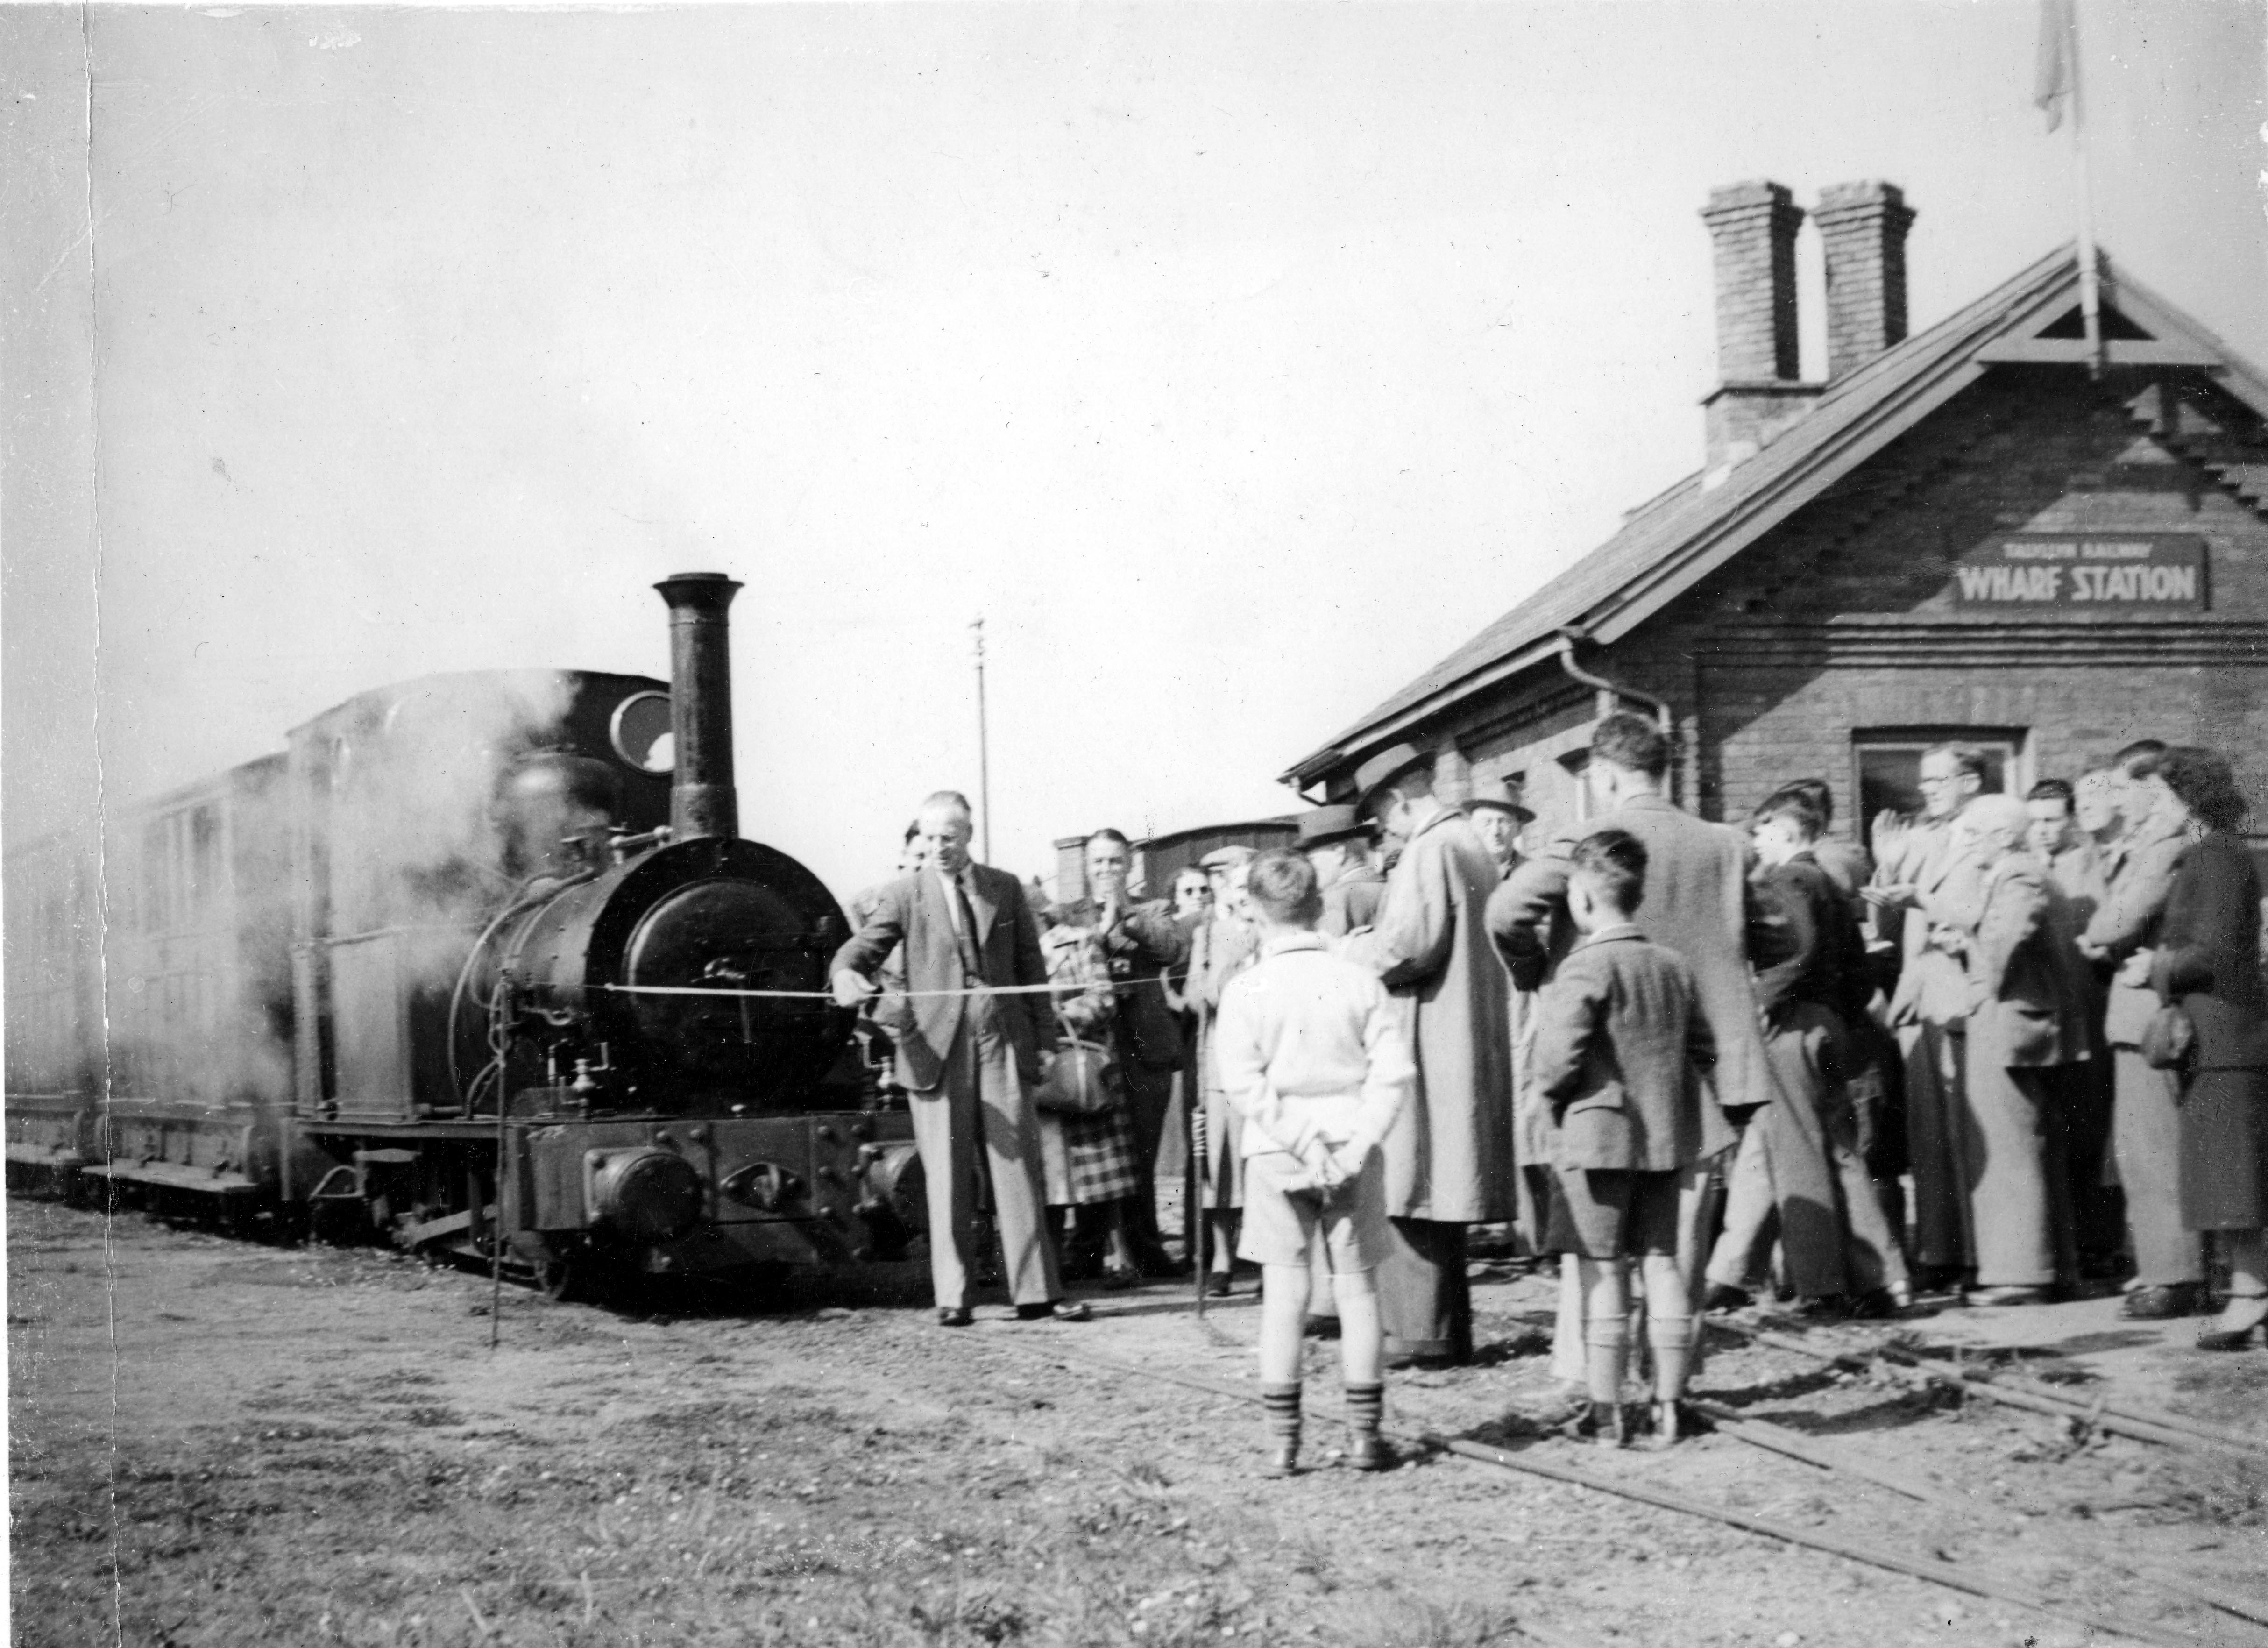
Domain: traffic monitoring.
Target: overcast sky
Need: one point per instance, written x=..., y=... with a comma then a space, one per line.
x=1233, y=363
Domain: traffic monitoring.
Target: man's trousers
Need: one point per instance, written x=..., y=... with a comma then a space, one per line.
x=1422, y=1293
x=2146, y=1138
x=1938, y=1144
x=979, y=1121
x=1149, y=1096
x=2017, y=1196
x=1799, y=1171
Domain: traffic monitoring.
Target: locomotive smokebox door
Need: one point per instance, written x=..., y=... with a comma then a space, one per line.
x=726, y=935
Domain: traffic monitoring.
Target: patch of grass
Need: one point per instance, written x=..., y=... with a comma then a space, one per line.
x=712, y=1523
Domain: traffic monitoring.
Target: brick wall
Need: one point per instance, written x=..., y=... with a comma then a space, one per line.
x=1841, y=619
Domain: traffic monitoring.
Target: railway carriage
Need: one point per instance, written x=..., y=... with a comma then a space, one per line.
x=480, y=961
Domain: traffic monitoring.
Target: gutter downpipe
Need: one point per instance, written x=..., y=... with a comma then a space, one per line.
x=1570, y=637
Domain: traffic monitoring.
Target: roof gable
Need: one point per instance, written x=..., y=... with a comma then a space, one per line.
x=1672, y=543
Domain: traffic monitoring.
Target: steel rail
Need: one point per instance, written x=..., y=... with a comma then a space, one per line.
x=1863, y=1552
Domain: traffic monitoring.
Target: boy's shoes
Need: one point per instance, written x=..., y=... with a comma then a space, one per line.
x=954, y=1315
x=1366, y=1452
x=1056, y=1310
x=1601, y=1425
x=1217, y=1284
x=1322, y=1328
x=1723, y=1296
x=1283, y=1459
x=1669, y=1426
x=2162, y=1304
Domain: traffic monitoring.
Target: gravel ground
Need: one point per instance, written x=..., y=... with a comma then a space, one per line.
x=219, y=1443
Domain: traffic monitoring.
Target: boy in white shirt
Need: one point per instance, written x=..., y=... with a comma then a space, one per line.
x=1311, y=1054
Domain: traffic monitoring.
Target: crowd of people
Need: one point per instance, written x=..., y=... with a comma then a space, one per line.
x=2016, y=1051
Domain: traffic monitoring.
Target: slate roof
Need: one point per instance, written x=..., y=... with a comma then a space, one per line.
x=1672, y=542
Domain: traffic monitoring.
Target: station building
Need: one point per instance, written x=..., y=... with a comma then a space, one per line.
x=1993, y=530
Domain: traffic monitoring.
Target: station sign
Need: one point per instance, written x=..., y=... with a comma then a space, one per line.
x=2121, y=573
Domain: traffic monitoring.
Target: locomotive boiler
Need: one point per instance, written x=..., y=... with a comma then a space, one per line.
x=483, y=963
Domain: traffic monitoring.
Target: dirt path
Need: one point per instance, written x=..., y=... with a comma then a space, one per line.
x=216, y=1442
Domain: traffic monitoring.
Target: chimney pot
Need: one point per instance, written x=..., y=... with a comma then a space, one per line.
x=1862, y=230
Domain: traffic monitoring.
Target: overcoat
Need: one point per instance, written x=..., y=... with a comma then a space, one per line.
x=2030, y=1001
x=1698, y=903
x=2208, y=955
x=1449, y=1156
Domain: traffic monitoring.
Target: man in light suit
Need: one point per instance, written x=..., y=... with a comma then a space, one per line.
x=1448, y=1157
x=1925, y=877
x=2027, y=1027
x=967, y=1054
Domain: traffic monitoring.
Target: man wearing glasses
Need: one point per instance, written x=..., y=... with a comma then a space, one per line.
x=1925, y=874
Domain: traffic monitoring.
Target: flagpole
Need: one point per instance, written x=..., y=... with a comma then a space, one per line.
x=2090, y=297
x=983, y=745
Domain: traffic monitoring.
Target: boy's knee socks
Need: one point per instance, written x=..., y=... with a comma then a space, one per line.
x=1606, y=1356
x=1671, y=1338
x=1365, y=1407
x=1282, y=1403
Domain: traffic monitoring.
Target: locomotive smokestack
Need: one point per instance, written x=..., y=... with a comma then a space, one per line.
x=701, y=799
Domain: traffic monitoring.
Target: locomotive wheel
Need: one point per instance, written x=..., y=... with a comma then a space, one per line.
x=579, y=1278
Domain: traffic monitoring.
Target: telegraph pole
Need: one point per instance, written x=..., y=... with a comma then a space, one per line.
x=983, y=745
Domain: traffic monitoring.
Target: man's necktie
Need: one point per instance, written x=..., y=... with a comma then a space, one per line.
x=972, y=958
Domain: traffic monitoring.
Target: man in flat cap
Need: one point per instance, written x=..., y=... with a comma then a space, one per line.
x=1338, y=843
x=1497, y=819
x=1448, y=1157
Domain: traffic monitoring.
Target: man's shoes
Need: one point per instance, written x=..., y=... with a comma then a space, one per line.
x=1367, y=1451
x=954, y=1315
x=1938, y=1279
x=1054, y=1310
x=2162, y=1304
x=1217, y=1284
x=1877, y=1306
x=1158, y=1265
x=1118, y=1278
x=2008, y=1298
x=1723, y=1296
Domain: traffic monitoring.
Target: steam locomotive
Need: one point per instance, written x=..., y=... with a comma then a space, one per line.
x=479, y=964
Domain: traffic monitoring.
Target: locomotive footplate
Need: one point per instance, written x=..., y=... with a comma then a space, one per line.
x=664, y=1194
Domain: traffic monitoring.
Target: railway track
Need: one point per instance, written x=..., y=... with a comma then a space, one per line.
x=2190, y=1609
x=2225, y=1617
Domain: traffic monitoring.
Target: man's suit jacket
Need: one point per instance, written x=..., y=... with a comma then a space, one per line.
x=1948, y=883
x=1352, y=901
x=1698, y=903
x=915, y=911
x=2028, y=985
x=1620, y=1038
x=2138, y=880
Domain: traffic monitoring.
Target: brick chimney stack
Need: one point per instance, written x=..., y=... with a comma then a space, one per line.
x=1863, y=227
x=1753, y=225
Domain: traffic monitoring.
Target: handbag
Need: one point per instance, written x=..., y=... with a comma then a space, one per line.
x=2169, y=1040
x=1082, y=1078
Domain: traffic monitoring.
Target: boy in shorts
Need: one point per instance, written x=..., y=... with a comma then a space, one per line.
x=1620, y=1042
x=1312, y=1056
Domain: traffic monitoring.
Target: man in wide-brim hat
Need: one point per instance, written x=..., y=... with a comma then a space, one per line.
x=1336, y=841
x=1497, y=819
x=1449, y=1156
